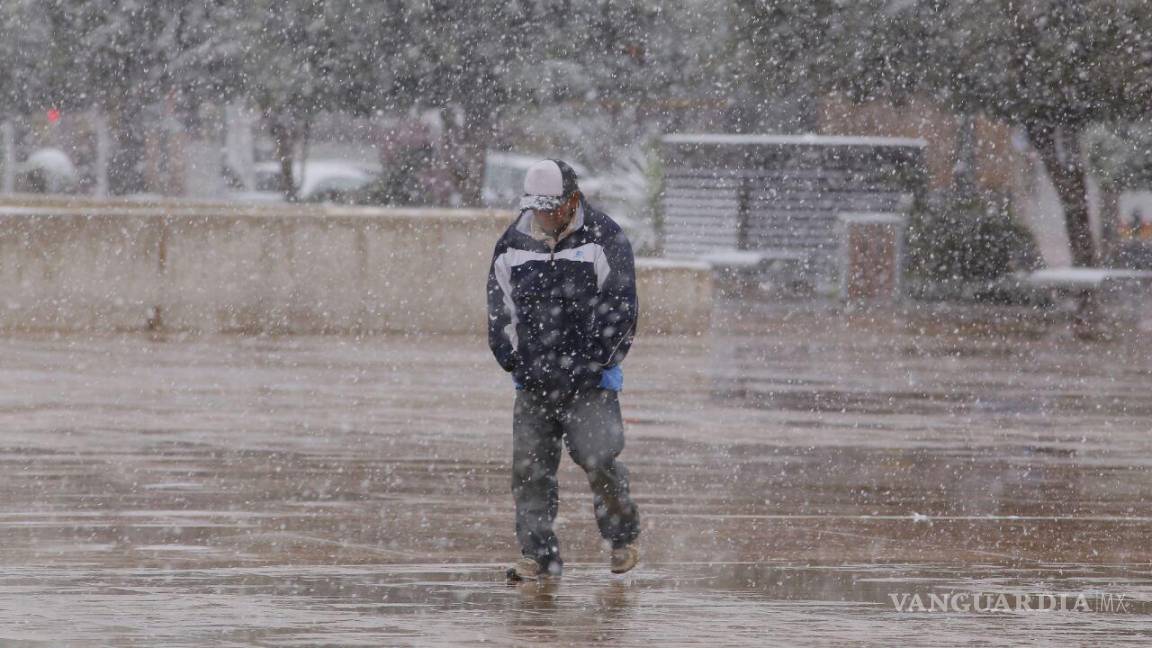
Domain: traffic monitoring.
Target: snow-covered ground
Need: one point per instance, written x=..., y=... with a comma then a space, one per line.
x=795, y=472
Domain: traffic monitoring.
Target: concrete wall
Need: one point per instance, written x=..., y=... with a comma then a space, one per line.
x=86, y=266
x=675, y=296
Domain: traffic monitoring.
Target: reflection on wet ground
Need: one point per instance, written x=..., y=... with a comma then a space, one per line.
x=803, y=477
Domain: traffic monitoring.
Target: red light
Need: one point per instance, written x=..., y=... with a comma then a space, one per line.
x=53, y=115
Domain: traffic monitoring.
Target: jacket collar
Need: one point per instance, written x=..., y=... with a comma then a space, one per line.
x=527, y=225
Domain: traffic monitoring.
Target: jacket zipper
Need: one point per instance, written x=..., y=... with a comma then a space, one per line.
x=621, y=341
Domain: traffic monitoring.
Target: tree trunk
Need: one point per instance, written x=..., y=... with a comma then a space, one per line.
x=305, y=135
x=8, y=137
x=472, y=174
x=1109, y=218
x=126, y=164
x=103, y=148
x=284, y=137
x=1060, y=153
x=964, y=171
x=467, y=144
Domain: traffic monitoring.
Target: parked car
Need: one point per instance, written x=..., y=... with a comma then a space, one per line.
x=316, y=180
x=47, y=170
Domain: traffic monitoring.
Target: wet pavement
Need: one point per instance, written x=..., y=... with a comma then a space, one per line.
x=805, y=478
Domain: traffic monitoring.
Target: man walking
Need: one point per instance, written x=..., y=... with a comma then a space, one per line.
x=561, y=315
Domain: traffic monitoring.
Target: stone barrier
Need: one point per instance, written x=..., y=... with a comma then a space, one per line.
x=296, y=269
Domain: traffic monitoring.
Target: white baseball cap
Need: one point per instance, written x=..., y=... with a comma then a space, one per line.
x=547, y=185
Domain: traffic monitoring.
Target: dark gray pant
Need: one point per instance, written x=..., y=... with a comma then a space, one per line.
x=591, y=427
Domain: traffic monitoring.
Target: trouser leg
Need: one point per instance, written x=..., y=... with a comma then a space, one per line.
x=594, y=433
x=535, y=458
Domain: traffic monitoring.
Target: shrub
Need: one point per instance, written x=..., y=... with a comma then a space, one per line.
x=961, y=238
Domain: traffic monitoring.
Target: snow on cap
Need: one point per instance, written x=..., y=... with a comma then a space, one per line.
x=548, y=184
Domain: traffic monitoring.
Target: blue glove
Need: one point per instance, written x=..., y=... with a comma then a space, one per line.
x=612, y=378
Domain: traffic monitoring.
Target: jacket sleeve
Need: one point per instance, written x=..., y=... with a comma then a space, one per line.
x=502, y=336
x=617, y=309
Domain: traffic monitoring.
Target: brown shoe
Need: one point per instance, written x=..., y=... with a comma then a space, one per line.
x=525, y=569
x=624, y=558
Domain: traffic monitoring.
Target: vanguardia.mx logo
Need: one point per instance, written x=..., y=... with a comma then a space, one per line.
x=1106, y=602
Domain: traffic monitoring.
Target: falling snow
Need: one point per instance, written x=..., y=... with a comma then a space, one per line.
x=890, y=374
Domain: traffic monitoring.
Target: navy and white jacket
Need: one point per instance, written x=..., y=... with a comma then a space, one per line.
x=559, y=318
